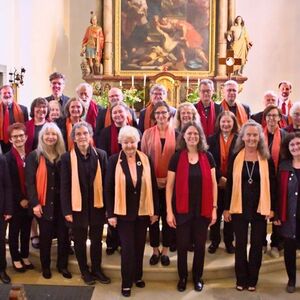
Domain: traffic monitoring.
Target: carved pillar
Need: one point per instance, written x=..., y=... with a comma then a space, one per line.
x=108, y=35
x=231, y=11
x=221, y=39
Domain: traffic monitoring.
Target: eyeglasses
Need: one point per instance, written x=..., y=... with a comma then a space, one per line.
x=272, y=116
x=157, y=113
x=157, y=94
x=19, y=136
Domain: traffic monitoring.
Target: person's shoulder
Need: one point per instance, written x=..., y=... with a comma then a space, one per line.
x=65, y=156
x=113, y=159
x=101, y=152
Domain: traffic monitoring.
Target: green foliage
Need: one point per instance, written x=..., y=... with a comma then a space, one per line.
x=132, y=96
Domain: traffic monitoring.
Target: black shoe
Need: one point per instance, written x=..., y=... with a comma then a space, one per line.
x=88, y=278
x=291, y=288
x=126, y=292
x=30, y=266
x=173, y=248
x=181, y=285
x=230, y=249
x=154, y=259
x=213, y=248
x=65, y=272
x=17, y=269
x=198, y=285
x=110, y=250
x=47, y=273
x=140, y=283
x=165, y=260
x=101, y=277
x=4, y=277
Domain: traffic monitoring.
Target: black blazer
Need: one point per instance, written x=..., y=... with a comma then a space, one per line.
x=132, y=193
x=218, y=108
x=62, y=101
x=6, y=202
x=89, y=215
x=214, y=148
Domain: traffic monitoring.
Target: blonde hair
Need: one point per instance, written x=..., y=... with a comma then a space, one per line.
x=177, y=121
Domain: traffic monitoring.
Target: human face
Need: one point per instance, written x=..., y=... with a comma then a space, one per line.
x=285, y=91
x=118, y=115
x=129, y=146
x=57, y=85
x=272, y=118
x=94, y=20
x=50, y=137
x=85, y=95
x=18, y=138
x=40, y=112
x=54, y=110
x=251, y=137
x=157, y=95
x=75, y=109
x=206, y=92
x=161, y=115
x=230, y=94
x=270, y=100
x=82, y=137
x=7, y=95
x=296, y=118
x=191, y=137
x=226, y=124
x=115, y=95
x=186, y=115
x=294, y=147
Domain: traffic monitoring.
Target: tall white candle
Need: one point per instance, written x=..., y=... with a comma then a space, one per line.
x=198, y=84
x=187, y=81
x=132, y=81
x=144, y=80
x=121, y=83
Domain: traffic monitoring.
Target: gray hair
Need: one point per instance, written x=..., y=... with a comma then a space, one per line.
x=79, y=125
x=85, y=85
x=295, y=106
x=128, y=132
x=207, y=82
x=231, y=82
x=270, y=93
x=159, y=87
x=262, y=148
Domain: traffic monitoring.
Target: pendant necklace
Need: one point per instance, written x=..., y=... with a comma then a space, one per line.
x=250, y=174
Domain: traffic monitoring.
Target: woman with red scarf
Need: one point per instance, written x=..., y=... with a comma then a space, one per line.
x=20, y=223
x=288, y=208
x=191, y=197
x=42, y=183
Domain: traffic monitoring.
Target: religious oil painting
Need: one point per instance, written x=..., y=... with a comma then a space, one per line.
x=157, y=35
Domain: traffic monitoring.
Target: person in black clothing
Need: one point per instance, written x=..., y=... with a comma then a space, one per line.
x=249, y=200
x=131, y=203
x=20, y=223
x=191, y=200
x=42, y=183
x=221, y=146
x=82, y=175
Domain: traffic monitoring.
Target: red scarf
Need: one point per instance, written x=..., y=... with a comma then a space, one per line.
x=283, y=194
x=241, y=114
x=41, y=180
x=21, y=167
x=182, y=185
x=114, y=146
x=147, y=120
x=275, y=149
x=208, y=123
x=224, y=151
x=92, y=113
x=30, y=133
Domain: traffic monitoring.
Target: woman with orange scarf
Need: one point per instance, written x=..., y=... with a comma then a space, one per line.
x=249, y=200
x=158, y=142
x=42, y=173
x=191, y=199
x=131, y=203
x=221, y=145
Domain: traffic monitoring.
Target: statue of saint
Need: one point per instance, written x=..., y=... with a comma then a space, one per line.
x=92, y=45
x=238, y=37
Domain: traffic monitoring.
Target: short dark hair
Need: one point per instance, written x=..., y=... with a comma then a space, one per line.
x=285, y=152
x=269, y=108
x=156, y=106
x=16, y=126
x=230, y=114
x=56, y=75
x=285, y=82
x=36, y=102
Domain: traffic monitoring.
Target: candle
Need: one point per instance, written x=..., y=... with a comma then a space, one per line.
x=187, y=81
x=132, y=81
x=198, y=84
x=121, y=84
x=144, y=80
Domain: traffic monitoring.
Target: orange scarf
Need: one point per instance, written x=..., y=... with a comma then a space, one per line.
x=75, y=185
x=18, y=116
x=275, y=147
x=69, y=127
x=264, y=204
x=224, y=150
x=151, y=145
x=108, y=120
x=146, y=197
x=147, y=120
x=41, y=180
x=241, y=114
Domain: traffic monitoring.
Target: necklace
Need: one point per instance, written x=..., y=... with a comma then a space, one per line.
x=250, y=174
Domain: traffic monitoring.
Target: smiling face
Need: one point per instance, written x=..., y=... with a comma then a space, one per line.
x=191, y=137
x=7, y=95
x=18, y=138
x=270, y=99
x=285, y=91
x=54, y=110
x=226, y=124
x=294, y=147
x=272, y=118
x=40, y=112
x=205, y=91
x=296, y=118
x=75, y=109
x=50, y=137
x=251, y=137
x=157, y=95
x=85, y=94
x=82, y=137
x=161, y=115
x=57, y=86
x=129, y=146
x=186, y=115
x=115, y=95
x=230, y=94
x=118, y=115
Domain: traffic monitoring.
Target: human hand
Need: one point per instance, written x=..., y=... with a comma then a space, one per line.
x=213, y=217
x=153, y=219
x=227, y=216
x=37, y=210
x=7, y=217
x=171, y=220
x=112, y=222
x=24, y=203
x=69, y=218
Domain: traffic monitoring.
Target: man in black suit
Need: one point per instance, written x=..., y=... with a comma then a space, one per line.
x=10, y=112
x=57, y=84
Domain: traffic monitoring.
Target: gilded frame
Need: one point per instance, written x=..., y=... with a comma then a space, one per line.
x=195, y=66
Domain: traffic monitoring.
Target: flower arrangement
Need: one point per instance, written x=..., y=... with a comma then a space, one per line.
x=132, y=96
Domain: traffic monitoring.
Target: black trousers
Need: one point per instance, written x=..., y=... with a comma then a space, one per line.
x=247, y=270
x=276, y=239
x=112, y=237
x=19, y=229
x=80, y=235
x=2, y=243
x=167, y=232
x=133, y=238
x=47, y=231
x=215, y=235
x=198, y=227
